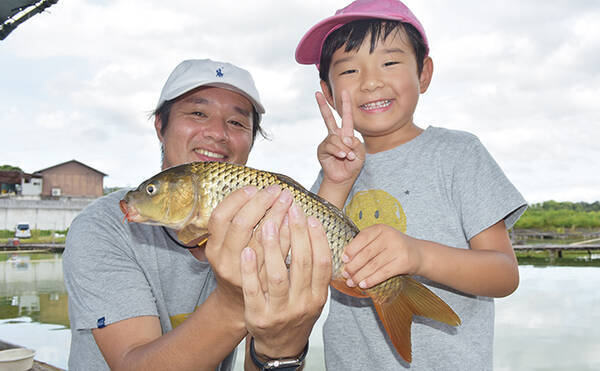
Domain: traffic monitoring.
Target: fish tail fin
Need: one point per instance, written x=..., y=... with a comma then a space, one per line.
x=396, y=317
x=415, y=299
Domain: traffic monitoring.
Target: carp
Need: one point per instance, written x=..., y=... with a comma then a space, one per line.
x=183, y=198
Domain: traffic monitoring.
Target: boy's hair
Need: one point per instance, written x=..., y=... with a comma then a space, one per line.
x=353, y=34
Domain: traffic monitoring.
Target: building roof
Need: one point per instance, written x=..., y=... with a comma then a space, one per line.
x=67, y=162
x=15, y=176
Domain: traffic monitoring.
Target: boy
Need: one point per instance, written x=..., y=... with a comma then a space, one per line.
x=429, y=202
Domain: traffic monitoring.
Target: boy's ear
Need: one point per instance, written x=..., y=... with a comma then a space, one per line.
x=426, y=74
x=327, y=94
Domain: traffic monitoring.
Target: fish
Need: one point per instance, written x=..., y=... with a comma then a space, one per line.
x=183, y=198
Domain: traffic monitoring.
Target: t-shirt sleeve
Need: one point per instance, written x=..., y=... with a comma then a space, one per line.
x=104, y=282
x=317, y=184
x=482, y=192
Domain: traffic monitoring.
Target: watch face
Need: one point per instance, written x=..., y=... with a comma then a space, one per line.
x=283, y=363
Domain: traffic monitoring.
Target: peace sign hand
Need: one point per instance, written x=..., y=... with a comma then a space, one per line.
x=341, y=154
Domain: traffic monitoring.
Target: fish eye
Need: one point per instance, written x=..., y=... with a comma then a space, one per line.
x=376, y=214
x=150, y=189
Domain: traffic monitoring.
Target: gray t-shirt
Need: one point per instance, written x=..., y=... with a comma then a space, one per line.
x=116, y=270
x=442, y=186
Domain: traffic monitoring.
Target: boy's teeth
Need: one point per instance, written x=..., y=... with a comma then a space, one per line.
x=208, y=153
x=376, y=105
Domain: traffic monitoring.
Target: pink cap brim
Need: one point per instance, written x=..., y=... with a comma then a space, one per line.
x=311, y=44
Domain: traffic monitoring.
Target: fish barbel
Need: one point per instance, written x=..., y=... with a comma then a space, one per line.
x=183, y=198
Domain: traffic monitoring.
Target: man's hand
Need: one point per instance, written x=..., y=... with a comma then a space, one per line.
x=281, y=317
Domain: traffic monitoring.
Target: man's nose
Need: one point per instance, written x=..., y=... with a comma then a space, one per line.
x=216, y=129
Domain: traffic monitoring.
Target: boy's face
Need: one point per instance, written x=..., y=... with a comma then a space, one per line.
x=384, y=88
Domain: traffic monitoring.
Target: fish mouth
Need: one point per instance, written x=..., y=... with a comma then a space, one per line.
x=378, y=105
x=207, y=155
x=131, y=214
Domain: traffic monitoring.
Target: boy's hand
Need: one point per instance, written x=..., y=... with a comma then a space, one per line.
x=341, y=154
x=377, y=253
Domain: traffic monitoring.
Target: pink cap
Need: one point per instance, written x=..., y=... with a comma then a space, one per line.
x=309, y=48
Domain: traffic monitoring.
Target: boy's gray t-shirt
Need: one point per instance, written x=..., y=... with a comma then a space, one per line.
x=442, y=186
x=116, y=270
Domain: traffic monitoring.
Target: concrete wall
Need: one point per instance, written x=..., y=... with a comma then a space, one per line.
x=40, y=214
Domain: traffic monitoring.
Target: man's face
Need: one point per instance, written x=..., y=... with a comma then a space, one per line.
x=207, y=124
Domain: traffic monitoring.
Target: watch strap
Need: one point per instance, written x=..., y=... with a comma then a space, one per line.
x=282, y=364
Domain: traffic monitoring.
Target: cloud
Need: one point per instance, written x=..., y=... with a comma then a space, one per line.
x=80, y=80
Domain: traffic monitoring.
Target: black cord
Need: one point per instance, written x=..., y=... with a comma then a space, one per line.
x=176, y=241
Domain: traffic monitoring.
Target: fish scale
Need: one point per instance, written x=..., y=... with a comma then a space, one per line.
x=396, y=299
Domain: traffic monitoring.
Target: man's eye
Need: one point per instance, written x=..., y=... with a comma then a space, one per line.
x=238, y=123
x=199, y=114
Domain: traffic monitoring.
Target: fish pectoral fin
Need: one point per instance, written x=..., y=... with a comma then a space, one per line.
x=396, y=315
x=191, y=233
x=340, y=285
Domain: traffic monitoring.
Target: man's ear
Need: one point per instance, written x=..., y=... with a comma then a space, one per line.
x=327, y=94
x=158, y=128
x=426, y=74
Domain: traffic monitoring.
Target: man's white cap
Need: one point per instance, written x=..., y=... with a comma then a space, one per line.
x=193, y=73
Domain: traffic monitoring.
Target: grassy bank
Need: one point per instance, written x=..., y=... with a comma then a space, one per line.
x=37, y=236
x=561, y=217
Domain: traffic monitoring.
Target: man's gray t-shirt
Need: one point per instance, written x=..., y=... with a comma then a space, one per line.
x=116, y=270
x=442, y=186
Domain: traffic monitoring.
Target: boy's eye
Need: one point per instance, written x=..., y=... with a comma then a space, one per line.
x=390, y=63
x=347, y=72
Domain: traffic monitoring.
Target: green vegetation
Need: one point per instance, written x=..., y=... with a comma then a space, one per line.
x=558, y=216
x=9, y=168
x=569, y=258
x=37, y=236
x=108, y=190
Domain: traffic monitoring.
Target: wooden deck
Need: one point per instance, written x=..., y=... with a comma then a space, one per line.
x=555, y=251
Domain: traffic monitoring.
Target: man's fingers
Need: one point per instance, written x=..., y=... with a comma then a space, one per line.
x=321, y=258
x=326, y=113
x=223, y=214
x=277, y=274
x=301, y=267
x=254, y=299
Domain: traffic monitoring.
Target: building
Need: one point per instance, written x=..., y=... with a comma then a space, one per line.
x=49, y=198
x=71, y=179
x=14, y=182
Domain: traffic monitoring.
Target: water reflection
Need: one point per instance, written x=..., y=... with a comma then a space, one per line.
x=33, y=286
x=33, y=305
x=549, y=323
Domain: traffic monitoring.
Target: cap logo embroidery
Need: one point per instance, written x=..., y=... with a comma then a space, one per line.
x=219, y=72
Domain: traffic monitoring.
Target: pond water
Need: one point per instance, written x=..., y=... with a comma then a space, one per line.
x=550, y=323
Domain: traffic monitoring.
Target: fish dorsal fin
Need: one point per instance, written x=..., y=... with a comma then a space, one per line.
x=191, y=233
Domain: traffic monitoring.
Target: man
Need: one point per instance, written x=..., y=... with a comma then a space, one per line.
x=139, y=299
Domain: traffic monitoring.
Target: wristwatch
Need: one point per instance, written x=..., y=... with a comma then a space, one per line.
x=283, y=364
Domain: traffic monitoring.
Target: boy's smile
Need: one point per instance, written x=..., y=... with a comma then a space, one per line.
x=384, y=88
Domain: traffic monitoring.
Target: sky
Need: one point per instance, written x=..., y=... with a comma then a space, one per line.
x=80, y=80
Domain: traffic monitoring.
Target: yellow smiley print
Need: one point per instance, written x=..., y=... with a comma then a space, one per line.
x=376, y=207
